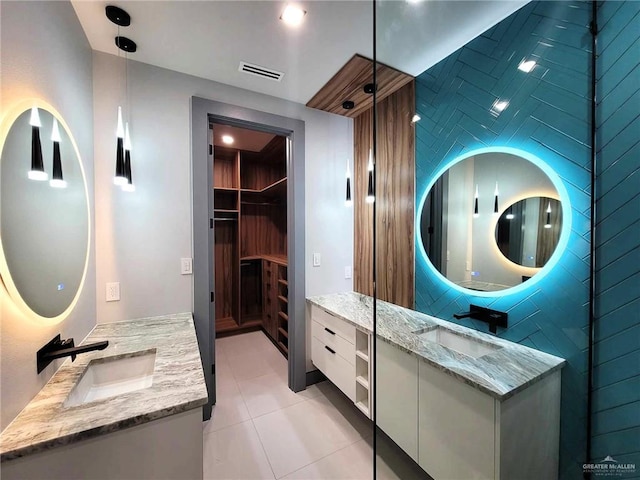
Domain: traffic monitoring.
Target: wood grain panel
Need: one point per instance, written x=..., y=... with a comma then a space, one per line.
x=348, y=84
x=225, y=168
x=226, y=273
x=395, y=174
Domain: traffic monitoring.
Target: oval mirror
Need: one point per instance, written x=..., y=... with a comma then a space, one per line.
x=528, y=231
x=44, y=234
x=464, y=228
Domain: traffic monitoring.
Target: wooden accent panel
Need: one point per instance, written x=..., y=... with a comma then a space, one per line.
x=225, y=168
x=363, y=212
x=226, y=273
x=348, y=84
x=395, y=193
x=263, y=229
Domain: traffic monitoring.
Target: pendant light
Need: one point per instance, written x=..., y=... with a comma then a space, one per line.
x=370, y=190
x=475, y=204
x=548, y=222
x=129, y=186
x=122, y=176
x=495, y=200
x=37, y=165
x=57, y=180
x=348, y=202
x=510, y=215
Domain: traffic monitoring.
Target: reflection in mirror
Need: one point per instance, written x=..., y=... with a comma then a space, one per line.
x=528, y=231
x=460, y=218
x=44, y=230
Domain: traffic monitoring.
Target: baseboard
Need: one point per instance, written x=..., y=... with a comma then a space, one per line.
x=315, y=376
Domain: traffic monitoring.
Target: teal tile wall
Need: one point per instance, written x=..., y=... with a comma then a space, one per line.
x=548, y=116
x=616, y=396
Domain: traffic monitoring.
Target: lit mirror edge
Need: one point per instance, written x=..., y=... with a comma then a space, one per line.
x=529, y=271
x=565, y=232
x=10, y=116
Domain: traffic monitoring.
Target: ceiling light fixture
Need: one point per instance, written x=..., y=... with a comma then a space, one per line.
x=527, y=66
x=37, y=165
x=227, y=139
x=495, y=200
x=416, y=118
x=123, y=176
x=293, y=15
x=548, y=222
x=348, y=104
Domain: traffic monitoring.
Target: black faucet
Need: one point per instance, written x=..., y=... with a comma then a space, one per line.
x=57, y=348
x=493, y=317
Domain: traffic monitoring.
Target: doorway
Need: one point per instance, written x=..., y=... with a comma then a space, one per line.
x=207, y=113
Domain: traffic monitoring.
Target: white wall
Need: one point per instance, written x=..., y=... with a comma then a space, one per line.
x=141, y=236
x=44, y=55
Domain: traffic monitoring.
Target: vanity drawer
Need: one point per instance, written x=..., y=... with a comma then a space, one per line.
x=341, y=327
x=336, y=368
x=331, y=339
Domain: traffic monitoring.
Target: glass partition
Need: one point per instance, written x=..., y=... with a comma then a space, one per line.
x=481, y=239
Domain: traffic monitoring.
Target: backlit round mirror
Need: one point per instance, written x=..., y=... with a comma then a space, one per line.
x=528, y=231
x=44, y=214
x=490, y=221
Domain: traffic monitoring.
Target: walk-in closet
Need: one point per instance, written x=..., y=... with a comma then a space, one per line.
x=250, y=231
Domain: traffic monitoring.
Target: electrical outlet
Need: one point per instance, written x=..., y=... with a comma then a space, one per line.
x=316, y=259
x=186, y=266
x=113, y=292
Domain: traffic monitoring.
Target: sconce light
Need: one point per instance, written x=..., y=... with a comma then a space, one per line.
x=129, y=186
x=495, y=200
x=475, y=204
x=370, y=190
x=348, y=202
x=548, y=222
x=37, y=165
x=57, y=180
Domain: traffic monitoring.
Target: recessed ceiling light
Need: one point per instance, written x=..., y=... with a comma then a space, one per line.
x=228, y=139
x=527, y=66
x=416, y=118
x=293, y=15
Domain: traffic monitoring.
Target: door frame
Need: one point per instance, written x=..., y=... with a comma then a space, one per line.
x=203, y=113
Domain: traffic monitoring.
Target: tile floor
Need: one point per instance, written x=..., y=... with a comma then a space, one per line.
x=260, y=429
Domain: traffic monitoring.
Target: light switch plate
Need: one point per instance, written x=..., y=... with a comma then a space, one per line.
x=347, y=272
x=316, y=259
x=113, y=292
x=186, y=266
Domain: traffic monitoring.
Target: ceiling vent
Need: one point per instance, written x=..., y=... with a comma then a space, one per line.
x=259, y=71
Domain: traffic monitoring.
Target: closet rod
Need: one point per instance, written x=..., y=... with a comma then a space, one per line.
x=218, y=219
x=261, y=203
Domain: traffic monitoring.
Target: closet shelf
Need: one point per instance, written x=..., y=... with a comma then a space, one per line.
x=283, y=347
x=362, y=381
x=283, y=299
x=283, y=332
x=284, y=316
x=226, y=189
x=362, y=355
x=279, y=187
x=283, y=282
x=222, y=210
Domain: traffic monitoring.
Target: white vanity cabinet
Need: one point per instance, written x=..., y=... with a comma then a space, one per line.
x=342, y=353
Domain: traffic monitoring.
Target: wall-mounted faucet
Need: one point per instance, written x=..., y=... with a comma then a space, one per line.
x=493, y=317
x=57, y=348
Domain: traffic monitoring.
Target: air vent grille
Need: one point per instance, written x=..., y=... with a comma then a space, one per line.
x=259, y=71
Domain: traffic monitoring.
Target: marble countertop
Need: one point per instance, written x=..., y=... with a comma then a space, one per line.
x=178, y=386
x=501, y=373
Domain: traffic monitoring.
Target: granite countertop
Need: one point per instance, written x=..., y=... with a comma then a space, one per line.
x=501, y=373
x=178, y=386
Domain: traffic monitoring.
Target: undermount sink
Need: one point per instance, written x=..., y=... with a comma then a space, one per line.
x=454, y=341
x=111, y=376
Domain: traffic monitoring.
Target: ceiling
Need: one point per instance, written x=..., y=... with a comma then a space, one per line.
x=243, y=138
x=208, y=39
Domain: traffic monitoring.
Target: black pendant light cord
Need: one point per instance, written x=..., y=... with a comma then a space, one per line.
x=592, y=257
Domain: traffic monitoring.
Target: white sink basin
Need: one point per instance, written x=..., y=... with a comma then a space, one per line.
x=461, y=344
x=111, y=376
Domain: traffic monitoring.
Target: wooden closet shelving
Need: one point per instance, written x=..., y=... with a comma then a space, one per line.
x=250, y=209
